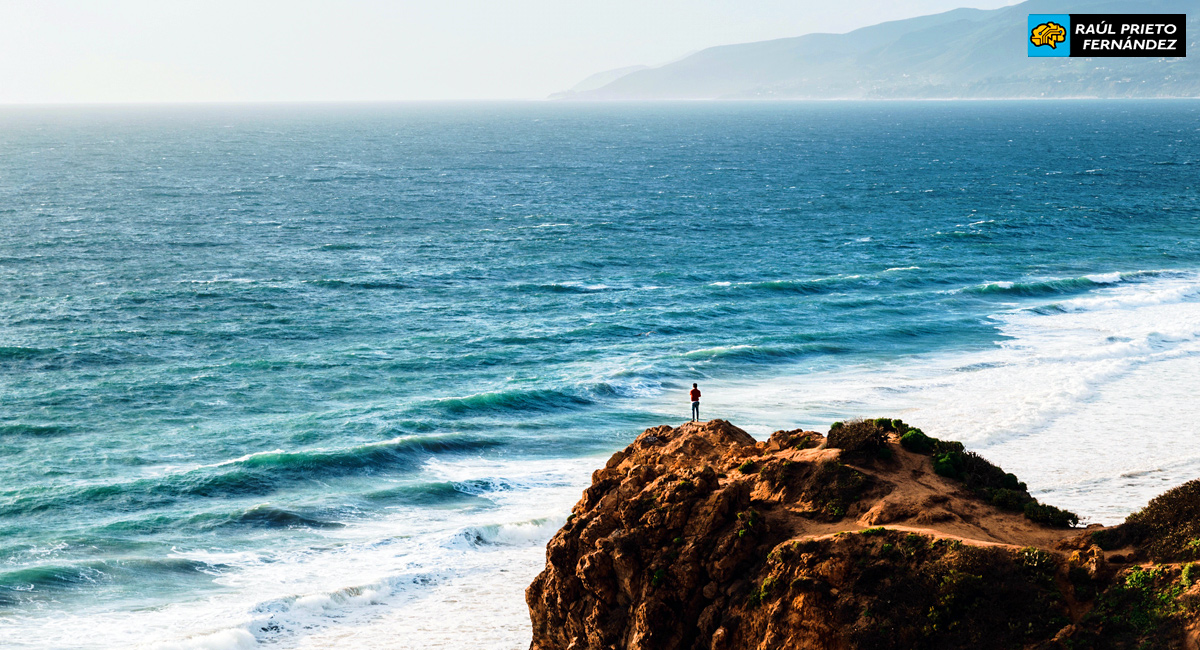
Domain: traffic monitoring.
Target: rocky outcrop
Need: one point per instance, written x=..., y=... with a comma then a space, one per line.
x=699, y=537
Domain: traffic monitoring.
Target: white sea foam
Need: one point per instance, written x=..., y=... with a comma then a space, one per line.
x=1090, y=402
x=418, y=577
x=1105, y=278
x=720, y=349
x=1070, y=398
x=232, y=639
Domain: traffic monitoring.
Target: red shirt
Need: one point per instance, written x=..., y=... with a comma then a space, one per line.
x=695, y=394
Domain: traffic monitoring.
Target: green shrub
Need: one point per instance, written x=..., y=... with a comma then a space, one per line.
x=916, y=441
x=947, y=447
x=1168, y=525
x=871, y=532
x=858, y=439
x=835, y=426
x=1189, y=574
x=1007, y=499
x=658, y=577
x=762, y=592
x=890, y=425
x=949, y=464
x=980, y=474
x=1049, y=515
x=749, y=519
x=748, y=467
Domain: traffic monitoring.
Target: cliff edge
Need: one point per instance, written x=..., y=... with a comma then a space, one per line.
x=877, y=536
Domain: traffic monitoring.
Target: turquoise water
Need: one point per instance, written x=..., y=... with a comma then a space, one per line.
x=253, y=355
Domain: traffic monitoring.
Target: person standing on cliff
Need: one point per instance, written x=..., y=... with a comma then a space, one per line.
x=695, y=402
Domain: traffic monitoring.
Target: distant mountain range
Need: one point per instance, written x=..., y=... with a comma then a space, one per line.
x=964, y=53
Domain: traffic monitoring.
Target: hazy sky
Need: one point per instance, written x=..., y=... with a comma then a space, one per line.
x=285, y=50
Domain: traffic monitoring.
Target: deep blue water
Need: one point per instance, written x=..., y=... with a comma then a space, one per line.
x=241, y=330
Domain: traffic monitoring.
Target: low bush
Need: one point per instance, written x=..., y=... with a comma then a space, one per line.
x=1007, y=499
x=749, y=519
x=916, y=441
x=1168, y=527
x=858, y=439
x=949, y=465
x=1049, y=515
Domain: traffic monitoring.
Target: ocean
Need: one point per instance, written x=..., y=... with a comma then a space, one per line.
x=331, y=376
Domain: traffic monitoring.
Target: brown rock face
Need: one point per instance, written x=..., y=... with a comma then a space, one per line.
x=698, y=537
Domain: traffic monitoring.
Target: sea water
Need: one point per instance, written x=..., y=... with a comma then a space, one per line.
x=331, y=376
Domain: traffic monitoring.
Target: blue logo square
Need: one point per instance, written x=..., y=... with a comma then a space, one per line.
x=1049, y=35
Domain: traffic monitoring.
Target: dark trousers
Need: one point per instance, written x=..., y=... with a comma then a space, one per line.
x=695, y=410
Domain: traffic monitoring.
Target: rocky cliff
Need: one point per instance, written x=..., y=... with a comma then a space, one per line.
x=699, y=537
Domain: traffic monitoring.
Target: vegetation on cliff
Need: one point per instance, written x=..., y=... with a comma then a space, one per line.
x=700, y=537
x=950, y=459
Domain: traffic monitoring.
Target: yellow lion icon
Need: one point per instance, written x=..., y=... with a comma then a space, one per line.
x=1048, y=34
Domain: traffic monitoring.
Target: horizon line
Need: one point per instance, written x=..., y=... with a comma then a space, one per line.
x=556, y=100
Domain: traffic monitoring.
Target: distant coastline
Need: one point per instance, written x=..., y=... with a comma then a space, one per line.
x=959, y=54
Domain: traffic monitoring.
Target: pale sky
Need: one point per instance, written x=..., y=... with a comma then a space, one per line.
x=355, y=50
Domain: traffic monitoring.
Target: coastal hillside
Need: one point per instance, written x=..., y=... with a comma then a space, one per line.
x=964, y=53
x=875, y=536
